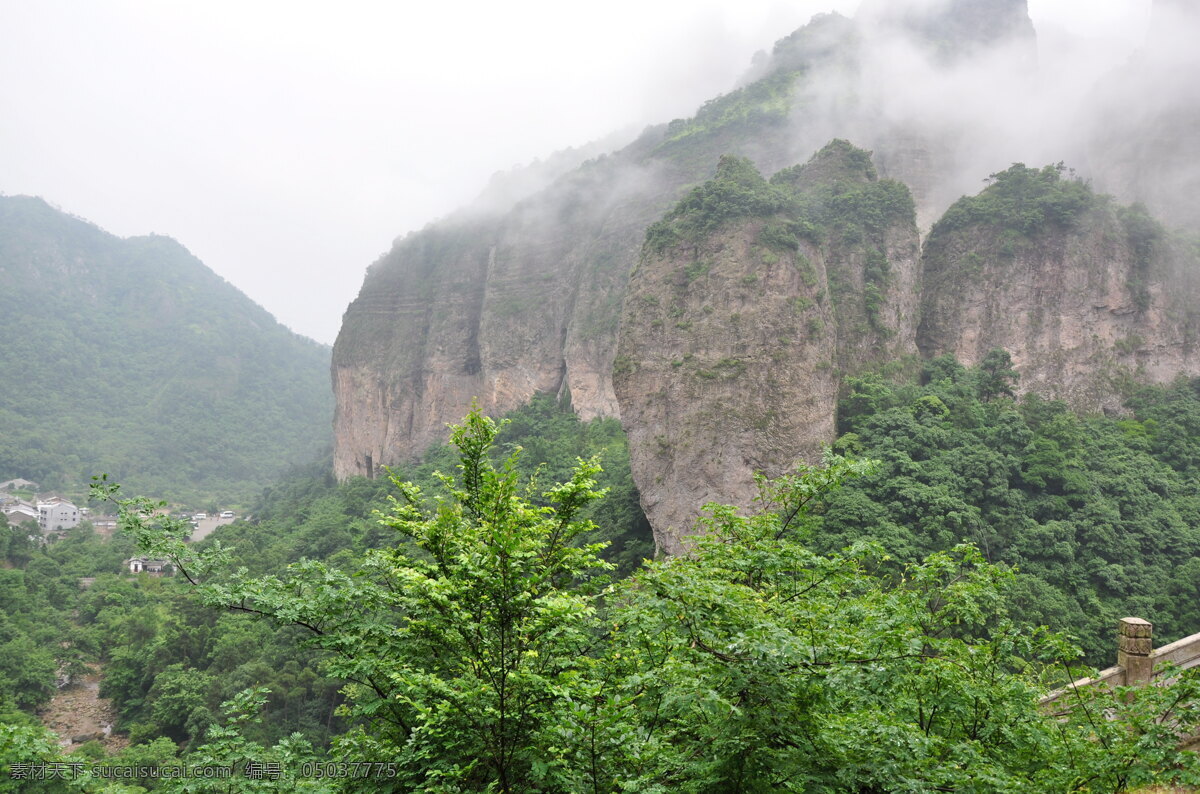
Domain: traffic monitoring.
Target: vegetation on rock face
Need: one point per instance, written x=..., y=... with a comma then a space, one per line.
x=1027, y=201
x=856, y=216
x=1097, y=515
x=836, y=195
x=737, y=191
x=763, y=101
x=130, y=357
x=741, y=120
x=1145, y=235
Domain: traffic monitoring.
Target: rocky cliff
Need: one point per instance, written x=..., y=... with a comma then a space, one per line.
x=753, y=299
x=750, y=300
x=1085, y=294
x=495, y=308
x=500, y=303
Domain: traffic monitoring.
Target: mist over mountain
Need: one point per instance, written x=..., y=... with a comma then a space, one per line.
x=942, y=97
x=129, y=357
x=1142, y=120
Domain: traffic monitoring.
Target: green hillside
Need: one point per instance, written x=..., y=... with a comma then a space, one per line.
x=132, y=358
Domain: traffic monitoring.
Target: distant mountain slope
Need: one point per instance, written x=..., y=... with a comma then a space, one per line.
x=131, y=357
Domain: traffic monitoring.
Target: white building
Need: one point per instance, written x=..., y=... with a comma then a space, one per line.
x=56, y=515
x=150, y=566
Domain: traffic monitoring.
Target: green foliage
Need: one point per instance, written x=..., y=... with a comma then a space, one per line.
x=750, y=105
x=696, y=269
x=1133, y=739
x=825, y=37
x=228, y=746
x=736, y=191
x=1144, y=235
x=1098, y=515
x=39, y=588
x=169, y=663
x=782, y=236
x=849, y=211
x=727, y=123
x=840, y=198
x=1024, y=201
x=835, y=201
x=861, y=212
x=137, y=360
x=26, y=672
x=551, y=438
x=755, y=664
x=996, y=375
x=484, y=654
x=26, y=744
x=461, y=642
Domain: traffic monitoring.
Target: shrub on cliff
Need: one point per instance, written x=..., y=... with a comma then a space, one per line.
x=737, y=190
x=1027, y=201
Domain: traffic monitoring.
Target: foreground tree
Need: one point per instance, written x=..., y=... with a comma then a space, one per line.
x=478, y=659
x=462, y=643
x=755, y=665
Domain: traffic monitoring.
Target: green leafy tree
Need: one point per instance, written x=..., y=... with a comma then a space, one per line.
x=754, y=664
x=463, y=641
x=252, y=767
x=996, y=375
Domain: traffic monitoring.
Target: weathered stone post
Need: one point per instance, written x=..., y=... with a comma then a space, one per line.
x=1135, y=641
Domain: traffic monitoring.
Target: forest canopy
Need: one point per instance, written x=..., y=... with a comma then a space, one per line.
x=483, y=651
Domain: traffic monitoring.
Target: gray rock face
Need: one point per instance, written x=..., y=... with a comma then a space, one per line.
x=496, y=306
x=724, y=351
x=732, y=344
x=724, y=374
x=492, y=309
x=1081, y=312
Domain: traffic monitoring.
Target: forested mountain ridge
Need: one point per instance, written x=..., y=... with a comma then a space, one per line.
x=130, y=357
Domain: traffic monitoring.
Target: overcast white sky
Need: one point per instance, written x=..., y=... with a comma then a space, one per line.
x=287, y=143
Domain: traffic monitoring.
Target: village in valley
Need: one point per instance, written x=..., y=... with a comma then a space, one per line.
x=48, y=516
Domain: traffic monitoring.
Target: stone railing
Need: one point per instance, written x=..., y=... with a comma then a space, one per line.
x=1138, y=663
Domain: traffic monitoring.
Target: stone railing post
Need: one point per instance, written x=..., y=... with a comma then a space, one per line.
x=1135, y=641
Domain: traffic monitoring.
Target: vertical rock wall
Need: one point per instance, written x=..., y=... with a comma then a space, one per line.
x=1085, y=308
x=733, y=341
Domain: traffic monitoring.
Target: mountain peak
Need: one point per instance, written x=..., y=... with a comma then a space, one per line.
x=953, y=30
